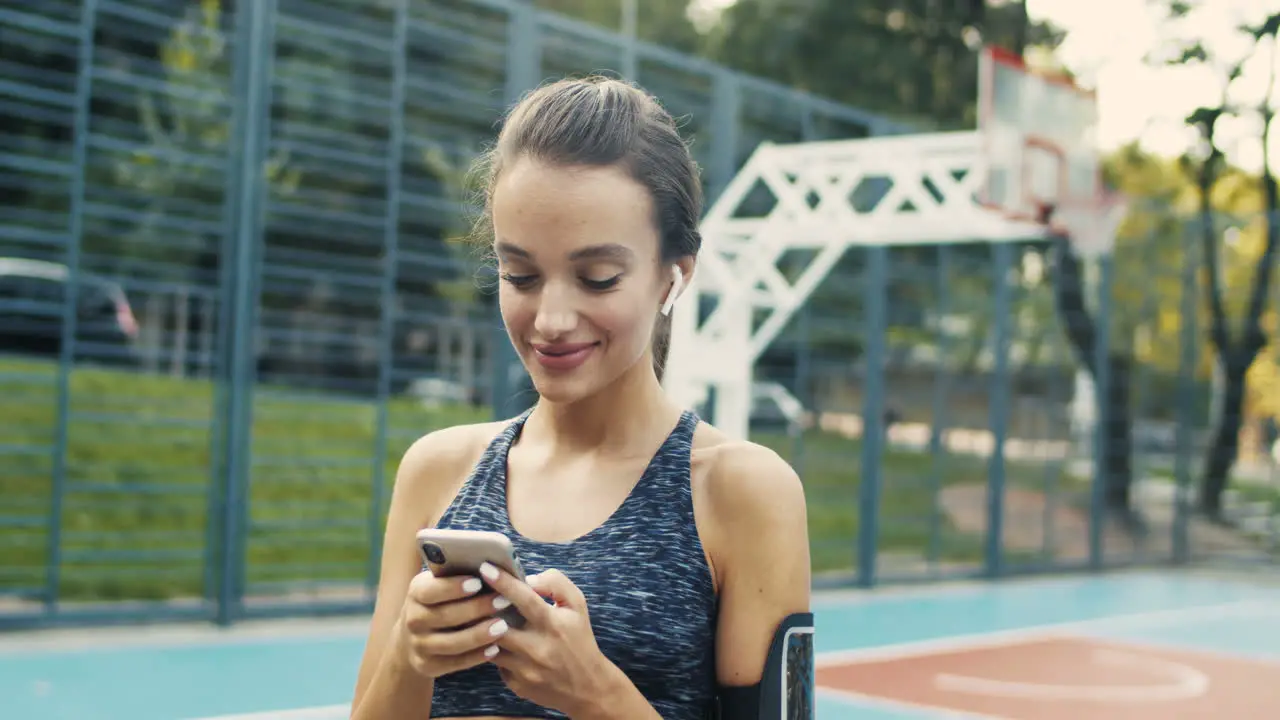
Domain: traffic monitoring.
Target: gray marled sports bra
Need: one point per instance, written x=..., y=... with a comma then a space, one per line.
x=643, y=572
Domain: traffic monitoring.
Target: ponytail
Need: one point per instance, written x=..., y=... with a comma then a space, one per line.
x=661, y=344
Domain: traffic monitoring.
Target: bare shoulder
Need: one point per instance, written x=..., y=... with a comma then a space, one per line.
x=750, y=508
x=748, y=500
x=745, y=481
x=456, y=444
x=436, y=464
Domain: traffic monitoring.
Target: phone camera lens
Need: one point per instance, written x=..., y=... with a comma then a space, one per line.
x=434, y=553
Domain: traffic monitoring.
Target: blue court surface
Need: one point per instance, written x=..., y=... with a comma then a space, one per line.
x=954, y=651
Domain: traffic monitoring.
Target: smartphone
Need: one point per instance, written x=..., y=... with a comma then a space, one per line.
x=449, y=553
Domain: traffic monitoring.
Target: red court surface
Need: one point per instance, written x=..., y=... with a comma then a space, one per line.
x=1066, y=678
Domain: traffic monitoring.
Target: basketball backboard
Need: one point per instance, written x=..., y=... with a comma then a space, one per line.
x=1039, y=141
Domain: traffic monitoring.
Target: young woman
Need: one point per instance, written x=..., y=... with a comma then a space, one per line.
x=669, y=552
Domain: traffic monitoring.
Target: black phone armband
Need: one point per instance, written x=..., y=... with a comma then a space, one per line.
x=786, y=689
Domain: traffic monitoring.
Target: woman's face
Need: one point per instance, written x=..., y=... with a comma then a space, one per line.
x=581, y=283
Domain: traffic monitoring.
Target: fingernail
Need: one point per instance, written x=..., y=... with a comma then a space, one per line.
x=472, y=585
x=501, y=603
x=489, y=571
x=498, y=627
x=491, y=651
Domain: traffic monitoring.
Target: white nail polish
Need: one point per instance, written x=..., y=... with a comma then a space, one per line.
x=491, y=651
x=501, y=603
x=472, y=585
x=489, y=571
x=498, y=627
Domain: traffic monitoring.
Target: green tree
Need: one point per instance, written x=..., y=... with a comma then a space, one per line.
x=1236, y=344
x=187, y=128
x=913, y=59
x=461, y=187
x=665, y=22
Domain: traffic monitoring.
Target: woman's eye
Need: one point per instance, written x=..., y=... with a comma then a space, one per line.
x=601, y=284
x=519, y=281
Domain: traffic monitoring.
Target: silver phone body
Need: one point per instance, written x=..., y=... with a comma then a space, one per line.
x=450, y=553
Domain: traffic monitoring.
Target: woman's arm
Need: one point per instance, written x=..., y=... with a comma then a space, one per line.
x=428, y=477
x=760, y=550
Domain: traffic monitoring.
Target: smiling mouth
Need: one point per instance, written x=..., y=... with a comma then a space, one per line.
x=562, y=350
x=563, y=357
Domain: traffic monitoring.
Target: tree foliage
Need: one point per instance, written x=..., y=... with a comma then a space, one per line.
x=665, y=22
x=460, y=187
x=187, y=130
x=1237, y=338
x=911, y=59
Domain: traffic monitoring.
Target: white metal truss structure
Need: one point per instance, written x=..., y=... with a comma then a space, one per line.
x=932, y=183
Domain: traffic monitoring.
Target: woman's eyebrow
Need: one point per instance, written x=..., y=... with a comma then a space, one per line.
x=506, y=248
x=609, y=251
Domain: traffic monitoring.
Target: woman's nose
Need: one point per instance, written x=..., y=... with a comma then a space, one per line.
x=557, y=311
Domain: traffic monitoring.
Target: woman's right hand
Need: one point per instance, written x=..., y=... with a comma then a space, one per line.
x=446, y=627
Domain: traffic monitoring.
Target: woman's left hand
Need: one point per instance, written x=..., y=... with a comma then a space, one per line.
x=553, y=660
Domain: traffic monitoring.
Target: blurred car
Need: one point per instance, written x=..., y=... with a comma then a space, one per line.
x=436, y=392
x=31, y=304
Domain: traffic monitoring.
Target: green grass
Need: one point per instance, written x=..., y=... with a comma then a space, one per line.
x=1260, y=493
x=830, y=466
x=1248, y=491
x=136, y=502
x=136, y=505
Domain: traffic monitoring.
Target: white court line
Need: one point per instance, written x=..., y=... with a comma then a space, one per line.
x=849, y=697
x=836, y=598
x=1184, y=683
x=251, y=632
x=963, y=587
x=1163, y=645
x=942, y=588
x=1186, y=687
x=1003, y=638
x=324, y=712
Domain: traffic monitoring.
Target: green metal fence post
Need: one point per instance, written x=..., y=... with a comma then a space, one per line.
x=938, y=410
x=998, y=408
x=875, y=289
x=216, y=543
x=254, y=31
x=1185, y=404
x=630, y=31
x=801, y=387
x=390, y=263
x=1102, y=392
x=800, y=384
x=70, y=300
x=726, y=103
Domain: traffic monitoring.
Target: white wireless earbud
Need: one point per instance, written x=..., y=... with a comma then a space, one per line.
x=677, y=282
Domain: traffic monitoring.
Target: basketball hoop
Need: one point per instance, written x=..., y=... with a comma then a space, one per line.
x=1038, y=131
x=1091, y=227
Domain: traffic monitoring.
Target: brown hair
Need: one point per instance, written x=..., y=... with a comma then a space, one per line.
x=599, y=121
